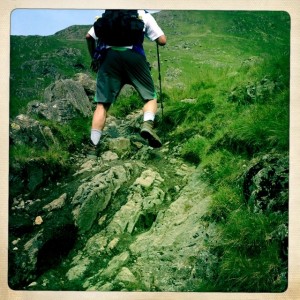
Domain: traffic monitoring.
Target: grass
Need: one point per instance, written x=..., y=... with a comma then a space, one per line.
x=194, y=149
x=224, y=201
x=259, y=273
x=257, y=129
x=54, y=154
x=250, y=259
x=126, y=105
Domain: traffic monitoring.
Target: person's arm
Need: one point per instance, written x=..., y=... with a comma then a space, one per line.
x=91, y=44
x=153, y=31
x=162, y=40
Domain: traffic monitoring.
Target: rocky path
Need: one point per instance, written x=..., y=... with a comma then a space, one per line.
x=128, y=220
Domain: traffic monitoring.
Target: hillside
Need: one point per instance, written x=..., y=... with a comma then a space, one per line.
x=206, y=212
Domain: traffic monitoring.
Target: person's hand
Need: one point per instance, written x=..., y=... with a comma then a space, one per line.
x=95, y=65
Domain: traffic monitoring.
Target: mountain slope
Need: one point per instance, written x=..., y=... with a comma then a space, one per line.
x=206, y=212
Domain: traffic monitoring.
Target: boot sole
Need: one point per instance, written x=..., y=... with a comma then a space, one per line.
x=153, y=142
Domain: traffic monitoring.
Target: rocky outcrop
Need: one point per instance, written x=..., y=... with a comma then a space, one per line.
x=265, y=187
x=149, y=242
x=25, y=130
x=93, y=196
x=46, y=232
x=87, y=83
x=63, y=101
x=28, y=176
x=266, y=184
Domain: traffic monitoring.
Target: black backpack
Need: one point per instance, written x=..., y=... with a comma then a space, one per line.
x=120, y=28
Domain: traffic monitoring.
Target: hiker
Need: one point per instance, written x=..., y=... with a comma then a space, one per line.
x=121, y=60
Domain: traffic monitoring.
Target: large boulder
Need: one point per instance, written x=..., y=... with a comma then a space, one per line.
x=87, y=83
x=63, y=101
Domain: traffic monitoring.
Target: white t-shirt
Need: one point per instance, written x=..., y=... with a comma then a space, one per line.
x=151, y=28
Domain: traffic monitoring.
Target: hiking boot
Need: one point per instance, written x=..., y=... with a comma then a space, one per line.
x=148, y=133
x=92, y=151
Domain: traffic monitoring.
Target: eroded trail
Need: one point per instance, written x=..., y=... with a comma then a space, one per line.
x=135, y=215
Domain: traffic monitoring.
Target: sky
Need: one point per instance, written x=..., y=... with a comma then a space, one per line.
x=48, y=21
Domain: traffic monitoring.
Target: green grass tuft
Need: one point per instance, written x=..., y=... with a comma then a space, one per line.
x=250, y=261
x=126, y=105
x=195, y=149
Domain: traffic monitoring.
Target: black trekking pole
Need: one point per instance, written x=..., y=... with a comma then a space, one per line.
x=160, y=89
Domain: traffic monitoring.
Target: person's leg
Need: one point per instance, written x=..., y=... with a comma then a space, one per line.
x=138, y=73
x=99, y=116
x=149, y=110
x=108, y=85
x=98, y=122
x=147, y=131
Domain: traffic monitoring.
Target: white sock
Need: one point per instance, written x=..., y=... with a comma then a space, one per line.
x=149, y=116
x=95, y=136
